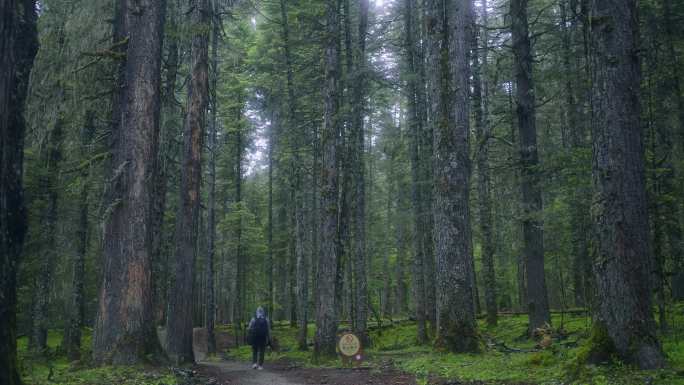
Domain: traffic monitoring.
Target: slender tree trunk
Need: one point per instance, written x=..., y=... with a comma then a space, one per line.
x=346, y=279
x=180, y=321
x=449, y=37
x=386, y=309
x=49, y=185
x=315, y=212
x=270, y=261
x=426, y=177
x=415, y=128
x=482, y=159
x=302, y=278
x=168, y=131
x=358, y=168
x=624, y=259
x=19, y=44
x=579, y=212
x=533, y=237
x=326, y=306
x=401, y=289
x=124, y=331
x=240, y=295
x=211, y=210
x=72, y=330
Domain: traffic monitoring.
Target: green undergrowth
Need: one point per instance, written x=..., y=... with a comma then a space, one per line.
x=508, y=356
x=54, y=368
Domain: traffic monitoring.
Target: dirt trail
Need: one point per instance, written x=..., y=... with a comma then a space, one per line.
x=283, y=373
x=240, y=373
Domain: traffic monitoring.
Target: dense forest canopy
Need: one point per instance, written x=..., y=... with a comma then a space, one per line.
x=346, y=164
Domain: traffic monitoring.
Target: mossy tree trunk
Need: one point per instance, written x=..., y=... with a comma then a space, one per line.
x=449, y=37
x=124, y=330
x=624, y=261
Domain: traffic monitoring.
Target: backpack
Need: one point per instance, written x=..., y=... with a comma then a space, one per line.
x=260, y=330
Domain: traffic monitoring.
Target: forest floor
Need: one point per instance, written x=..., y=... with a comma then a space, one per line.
x=285, y=373
x=394, y=358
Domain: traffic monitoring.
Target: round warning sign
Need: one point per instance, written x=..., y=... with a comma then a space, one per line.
x=349, y=345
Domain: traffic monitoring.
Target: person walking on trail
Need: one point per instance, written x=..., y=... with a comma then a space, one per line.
x=259, y=337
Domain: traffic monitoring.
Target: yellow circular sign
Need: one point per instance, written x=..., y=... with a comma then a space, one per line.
x=349, y=345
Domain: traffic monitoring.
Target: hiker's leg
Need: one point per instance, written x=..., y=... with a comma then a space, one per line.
x=255, y=350
x=262, y=350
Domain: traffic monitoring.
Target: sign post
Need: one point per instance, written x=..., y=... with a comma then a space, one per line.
x=351, y=351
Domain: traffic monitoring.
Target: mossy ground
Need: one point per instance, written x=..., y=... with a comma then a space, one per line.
x=55, y=368
x=561, y=363
x=507, y=357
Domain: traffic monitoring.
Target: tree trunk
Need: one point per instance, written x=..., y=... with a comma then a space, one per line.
x=426, y=177
x=211, y=210
x=326, y=306
x=579, y=211
x=358, y=168
x=19, y=44
x=482, y=134
x=167, y=135
x=271, y=163
x=533, y=237
x=415, y=129
x=449, y=37
x=180, y=322
x=49, y=185
x=240, y=295
x=385, y=307
x=72, y=330
x=124, y=331
x=624, y=259
x=302, y=269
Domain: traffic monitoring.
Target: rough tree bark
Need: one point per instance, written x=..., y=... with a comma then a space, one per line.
x=624, y=261
x=358, y=169
x=124, y=331
x=19, y=44
x=533, y=236
x=169, y=129
x=211, y=209
x=482, y=134
x=326, y=306
x=179, y=320
x=345, y=274
x=415, y=128
x=449, y=36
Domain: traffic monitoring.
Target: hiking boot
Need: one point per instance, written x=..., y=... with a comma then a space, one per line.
x=254, y=366
x=260, y=367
